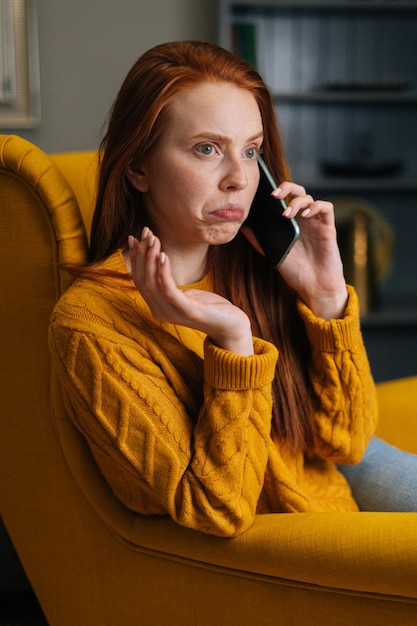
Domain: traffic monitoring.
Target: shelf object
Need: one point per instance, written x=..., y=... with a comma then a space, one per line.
x=338, y=70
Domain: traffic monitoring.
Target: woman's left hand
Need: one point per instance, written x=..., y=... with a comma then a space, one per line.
x=313, y=267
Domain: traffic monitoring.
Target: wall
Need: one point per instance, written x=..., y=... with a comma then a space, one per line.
x=86, y=49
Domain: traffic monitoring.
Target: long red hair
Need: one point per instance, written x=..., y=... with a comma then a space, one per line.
x=135, y=124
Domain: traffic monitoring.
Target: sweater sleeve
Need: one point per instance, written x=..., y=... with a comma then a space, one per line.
x=206, y=469
x=344, y=391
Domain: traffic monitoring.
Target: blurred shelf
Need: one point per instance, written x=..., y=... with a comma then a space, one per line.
x=373, y=97
x=346, y=184
x=245, y=6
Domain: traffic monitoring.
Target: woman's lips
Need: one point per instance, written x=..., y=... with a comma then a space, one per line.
x=229, y=213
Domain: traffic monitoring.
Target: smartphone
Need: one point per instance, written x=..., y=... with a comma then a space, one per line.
x=276, y=234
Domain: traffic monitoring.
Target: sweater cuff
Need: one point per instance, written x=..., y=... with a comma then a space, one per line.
x=336, y=334
x=226, y=370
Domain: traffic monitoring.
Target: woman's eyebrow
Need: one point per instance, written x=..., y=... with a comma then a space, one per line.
x=219, y=137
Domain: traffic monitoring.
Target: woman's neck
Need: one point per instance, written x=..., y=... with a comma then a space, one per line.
x=188, y=266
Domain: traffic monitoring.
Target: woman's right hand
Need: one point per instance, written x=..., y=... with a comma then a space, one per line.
x=226, y=325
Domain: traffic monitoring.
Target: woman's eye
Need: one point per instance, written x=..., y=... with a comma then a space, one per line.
x=207, y=149
x=251, y=153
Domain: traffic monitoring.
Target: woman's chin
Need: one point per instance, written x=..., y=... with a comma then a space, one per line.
x=223, y=233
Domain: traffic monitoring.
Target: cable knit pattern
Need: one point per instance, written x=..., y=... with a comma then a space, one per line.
x=179, y=426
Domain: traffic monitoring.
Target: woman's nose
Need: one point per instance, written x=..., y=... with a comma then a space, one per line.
x=235, y=176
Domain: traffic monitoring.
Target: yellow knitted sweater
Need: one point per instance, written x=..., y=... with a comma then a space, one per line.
x=181, y=427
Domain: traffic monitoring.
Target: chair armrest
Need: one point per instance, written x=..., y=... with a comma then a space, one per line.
x=359, y=552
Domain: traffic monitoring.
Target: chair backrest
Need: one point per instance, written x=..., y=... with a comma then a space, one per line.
x=40, y=225
x=53, y=499
x=80, y=170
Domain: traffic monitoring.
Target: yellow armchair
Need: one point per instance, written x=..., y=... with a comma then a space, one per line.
x=89, y=559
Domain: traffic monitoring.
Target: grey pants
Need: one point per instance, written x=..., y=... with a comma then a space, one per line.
x=385, y=479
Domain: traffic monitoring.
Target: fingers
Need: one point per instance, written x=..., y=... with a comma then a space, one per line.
x=146, y=252
x=150, y=266
x=309, y=208
x=301, y=203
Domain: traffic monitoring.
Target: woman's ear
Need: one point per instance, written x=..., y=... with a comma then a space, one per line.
x=138, y=180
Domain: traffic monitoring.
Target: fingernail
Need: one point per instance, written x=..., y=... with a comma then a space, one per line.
x=277, y=191
x=162, y=258
x=131, y=242
x=306, y=212
x=145, y=233
x=151, y=241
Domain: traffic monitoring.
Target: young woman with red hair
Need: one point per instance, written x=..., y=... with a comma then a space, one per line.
x=210, y=387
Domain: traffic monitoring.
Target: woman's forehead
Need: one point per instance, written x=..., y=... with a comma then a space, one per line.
x=218, y=104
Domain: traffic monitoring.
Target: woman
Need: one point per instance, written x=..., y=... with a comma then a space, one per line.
x=209, y=386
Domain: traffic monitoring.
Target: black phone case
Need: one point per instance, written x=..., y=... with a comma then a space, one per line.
x=276, y=234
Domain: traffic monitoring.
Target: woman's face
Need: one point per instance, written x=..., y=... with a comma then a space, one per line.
x=203, y=174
